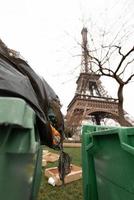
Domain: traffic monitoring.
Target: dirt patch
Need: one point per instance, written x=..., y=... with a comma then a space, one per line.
x=72, y=144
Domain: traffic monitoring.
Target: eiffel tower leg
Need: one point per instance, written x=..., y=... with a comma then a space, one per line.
x=124, y=122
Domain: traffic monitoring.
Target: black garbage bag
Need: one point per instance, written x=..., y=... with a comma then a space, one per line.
x=18, y=79
x=64, y=166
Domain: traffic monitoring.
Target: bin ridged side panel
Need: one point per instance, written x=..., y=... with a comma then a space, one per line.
x=20, y=153
x=112, y=152
x=89, y=178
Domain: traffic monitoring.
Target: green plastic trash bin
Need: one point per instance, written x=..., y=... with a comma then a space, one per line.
x=20, y=151
x=108, y=163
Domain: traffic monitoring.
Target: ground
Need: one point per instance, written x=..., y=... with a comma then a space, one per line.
x=70, y=191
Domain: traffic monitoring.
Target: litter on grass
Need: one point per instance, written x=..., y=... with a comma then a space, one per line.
x=75, y=174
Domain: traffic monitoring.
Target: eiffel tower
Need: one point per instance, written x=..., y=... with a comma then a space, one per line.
x=91, y=101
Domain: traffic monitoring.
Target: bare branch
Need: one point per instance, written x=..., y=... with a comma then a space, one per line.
x=107, y=53
x=72, y=38
x=102, y=43
x=107, y=72
x=109, y=56
x=119, y=50
x=129, y=79
x=93, y=44
x=123, y=58
x=117, y=34
x=126, y=67
x=76, y=55
x=102, y=70
x=110, y=52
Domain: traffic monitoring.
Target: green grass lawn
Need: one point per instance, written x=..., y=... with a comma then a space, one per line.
x=70, y=191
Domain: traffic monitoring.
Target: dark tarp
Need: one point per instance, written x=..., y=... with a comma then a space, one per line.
x=17, y=79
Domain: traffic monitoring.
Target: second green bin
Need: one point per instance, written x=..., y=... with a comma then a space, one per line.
x=108, y=163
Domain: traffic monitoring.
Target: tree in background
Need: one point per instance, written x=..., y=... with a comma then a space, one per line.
x=114, y=61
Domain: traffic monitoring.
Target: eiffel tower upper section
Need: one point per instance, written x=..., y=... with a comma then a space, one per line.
x=88, y=82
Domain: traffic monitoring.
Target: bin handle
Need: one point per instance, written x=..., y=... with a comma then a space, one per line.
x=124, y=143
x=89, y=146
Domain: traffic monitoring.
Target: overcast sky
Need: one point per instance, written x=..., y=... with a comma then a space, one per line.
x=47, y=33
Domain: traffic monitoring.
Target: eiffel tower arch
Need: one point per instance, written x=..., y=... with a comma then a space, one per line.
x=91, y=101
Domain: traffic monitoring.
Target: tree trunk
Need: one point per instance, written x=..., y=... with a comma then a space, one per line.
x=122, y=119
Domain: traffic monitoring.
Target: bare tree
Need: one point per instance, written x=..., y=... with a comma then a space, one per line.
x=121, y=71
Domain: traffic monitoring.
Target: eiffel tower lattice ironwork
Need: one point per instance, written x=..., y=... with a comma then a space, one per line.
x=90, y=101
